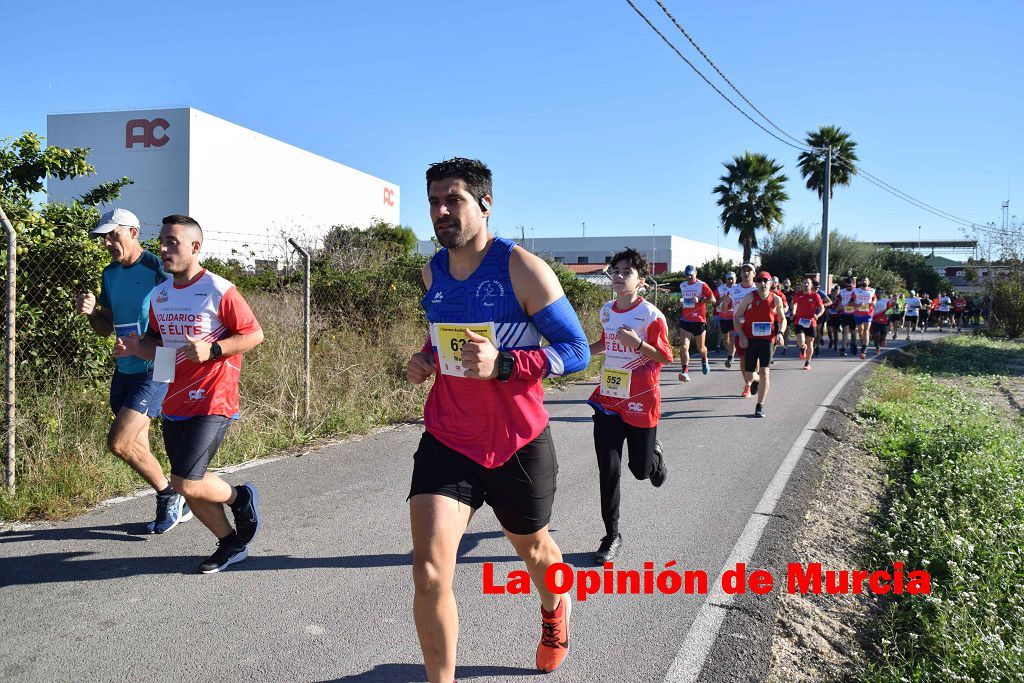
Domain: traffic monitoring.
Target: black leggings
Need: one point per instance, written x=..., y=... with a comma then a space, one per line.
x=610, y=432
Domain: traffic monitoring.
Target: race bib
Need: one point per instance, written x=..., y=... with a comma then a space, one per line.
x=164, y=363
x=689, y=301
x=615, y=383
x=761, y=329
x=125, y=329
x=848, y=308
x=449, y=338
x=805, y=322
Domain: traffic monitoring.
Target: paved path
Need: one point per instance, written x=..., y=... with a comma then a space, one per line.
x=326, y=594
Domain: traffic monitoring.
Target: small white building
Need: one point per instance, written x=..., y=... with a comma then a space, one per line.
x=243, y=187
x=667, y=253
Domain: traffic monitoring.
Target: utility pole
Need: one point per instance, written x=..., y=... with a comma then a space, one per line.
x=824, y=220
x=584, y=228
x=919, y=238
x=654, y=249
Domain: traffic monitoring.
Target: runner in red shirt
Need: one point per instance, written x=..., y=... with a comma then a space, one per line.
x=959, y=309
x=755, y=318
x=199, y=327
x=807, y=308
x=693, y=326
x=627, y=402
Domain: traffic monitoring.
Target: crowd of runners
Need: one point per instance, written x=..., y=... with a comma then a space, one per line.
x=181, y=332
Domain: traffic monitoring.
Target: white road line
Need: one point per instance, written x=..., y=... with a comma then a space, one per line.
x=696, y=646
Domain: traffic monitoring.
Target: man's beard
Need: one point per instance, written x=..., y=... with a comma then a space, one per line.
x=455, y=238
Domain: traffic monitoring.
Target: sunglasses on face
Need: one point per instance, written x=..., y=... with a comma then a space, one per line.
x=761, y=281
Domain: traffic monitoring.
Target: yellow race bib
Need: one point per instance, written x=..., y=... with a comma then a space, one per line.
x=615, y=383
x=449, y=338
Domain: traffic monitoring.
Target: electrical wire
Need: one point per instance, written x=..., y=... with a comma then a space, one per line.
x=802, y=148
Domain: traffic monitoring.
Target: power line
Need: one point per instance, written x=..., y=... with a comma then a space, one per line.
x=726, y=78
x=713, y=86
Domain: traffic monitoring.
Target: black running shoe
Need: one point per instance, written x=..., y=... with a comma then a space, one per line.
x=246, y=512
x=759, y=410
x=728, y=362
x=659, y=477
x=229, y=551
x=754, y=386
x=609, y=549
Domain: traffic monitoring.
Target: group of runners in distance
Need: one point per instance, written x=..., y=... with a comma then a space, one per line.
x=489, y=303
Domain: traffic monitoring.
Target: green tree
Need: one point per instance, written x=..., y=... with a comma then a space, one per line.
x=347, y=246
x=56, y=257
x=844, y=158
x=791, y=253
x=751, y=194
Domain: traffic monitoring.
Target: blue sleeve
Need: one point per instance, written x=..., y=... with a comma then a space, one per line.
x=568, y=350
x=103, y=299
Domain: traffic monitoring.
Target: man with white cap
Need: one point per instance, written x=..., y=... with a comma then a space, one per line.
x=122, y=308
x=693, y=324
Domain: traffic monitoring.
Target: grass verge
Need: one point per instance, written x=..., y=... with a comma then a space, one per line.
x=955, y=488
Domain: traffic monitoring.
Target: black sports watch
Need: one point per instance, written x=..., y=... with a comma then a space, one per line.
x=506, y=365
x=215, y=351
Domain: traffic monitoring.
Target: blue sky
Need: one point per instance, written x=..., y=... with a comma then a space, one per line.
x=583, y=114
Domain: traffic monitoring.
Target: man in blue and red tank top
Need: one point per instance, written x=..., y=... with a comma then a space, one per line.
x=489, y=303
x=756, y=317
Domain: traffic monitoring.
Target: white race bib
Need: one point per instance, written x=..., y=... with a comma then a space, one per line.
x=124, y=330
x=689, y=301
x=449, y=338
x=615, y=383
x=163, y=364
x=804, y=322
x=761, y=329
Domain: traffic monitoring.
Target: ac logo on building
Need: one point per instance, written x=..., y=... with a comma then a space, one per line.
x=144, y=131
x=389, y=196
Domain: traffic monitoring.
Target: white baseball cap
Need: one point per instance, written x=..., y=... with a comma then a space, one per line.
x=114, y=218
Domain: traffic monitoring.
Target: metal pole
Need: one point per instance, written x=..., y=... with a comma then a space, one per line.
x=12, y=245
x=305, y=328
x=654, y=253
x=824, y=221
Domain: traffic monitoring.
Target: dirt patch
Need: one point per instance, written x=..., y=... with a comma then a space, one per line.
x=817, y=637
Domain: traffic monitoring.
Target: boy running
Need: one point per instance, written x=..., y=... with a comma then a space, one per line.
x=627, y=403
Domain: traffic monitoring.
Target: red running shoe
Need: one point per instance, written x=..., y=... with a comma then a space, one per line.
x=554, y=636
x=746, y=391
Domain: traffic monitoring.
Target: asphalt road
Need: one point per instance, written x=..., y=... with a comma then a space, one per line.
x=326, y=593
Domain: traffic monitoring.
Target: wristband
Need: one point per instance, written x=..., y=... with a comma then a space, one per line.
x=506, y=366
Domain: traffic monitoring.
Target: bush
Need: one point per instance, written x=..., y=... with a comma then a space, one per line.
x=1008, y=305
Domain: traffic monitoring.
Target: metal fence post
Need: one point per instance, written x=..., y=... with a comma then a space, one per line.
x=305, y=327
x=12, y=245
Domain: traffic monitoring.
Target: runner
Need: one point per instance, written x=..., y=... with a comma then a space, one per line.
x=199, y=325
x=123, y=307
x=723, y=311
x=780, y=336
x=788, y=292
x=693, y=320
x=735, y=296
x=926, y=311
x=945, y=310
x=835, y=317
x=822, y=320
x=846, y=320
x=899, y=308
x=864, y=300
x=808, y=309
x=959, y=310
x=487, y=437
x=755, y=319
x=913, y=312
x=627, y=402
x=884, y=307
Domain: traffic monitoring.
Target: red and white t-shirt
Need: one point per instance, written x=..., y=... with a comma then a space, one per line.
x=736, y=294
x=864, y=299
x=643, y=407
x=805, y=308
x=211, y=308
x=694, y=310
x=881, y=312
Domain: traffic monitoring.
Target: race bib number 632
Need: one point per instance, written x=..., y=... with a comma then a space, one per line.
x=449, y=338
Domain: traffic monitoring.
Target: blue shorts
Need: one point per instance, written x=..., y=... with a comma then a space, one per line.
x=137, y=391
x=862, y=319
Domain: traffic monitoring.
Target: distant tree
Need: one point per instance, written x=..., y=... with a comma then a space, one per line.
x=347, y=246
x=812, y=164
x=751, y=194
x=791, y=253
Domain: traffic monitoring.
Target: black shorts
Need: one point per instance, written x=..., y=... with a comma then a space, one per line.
x=192, y=443
x=809, y=331
x=521, y=491
x=846, y=320
x=696, y=329
x=757, y=350
x=726, y=324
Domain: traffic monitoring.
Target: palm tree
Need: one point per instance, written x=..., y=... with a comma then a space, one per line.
x=812, y=164
x=751, y=194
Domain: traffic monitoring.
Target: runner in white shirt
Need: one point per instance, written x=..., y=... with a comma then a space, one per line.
x=913, y=303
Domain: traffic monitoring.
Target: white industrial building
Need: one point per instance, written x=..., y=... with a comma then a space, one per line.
x=667, y=253
x=243, y=187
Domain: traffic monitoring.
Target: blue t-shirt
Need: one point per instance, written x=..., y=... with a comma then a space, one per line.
x=125, y=291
